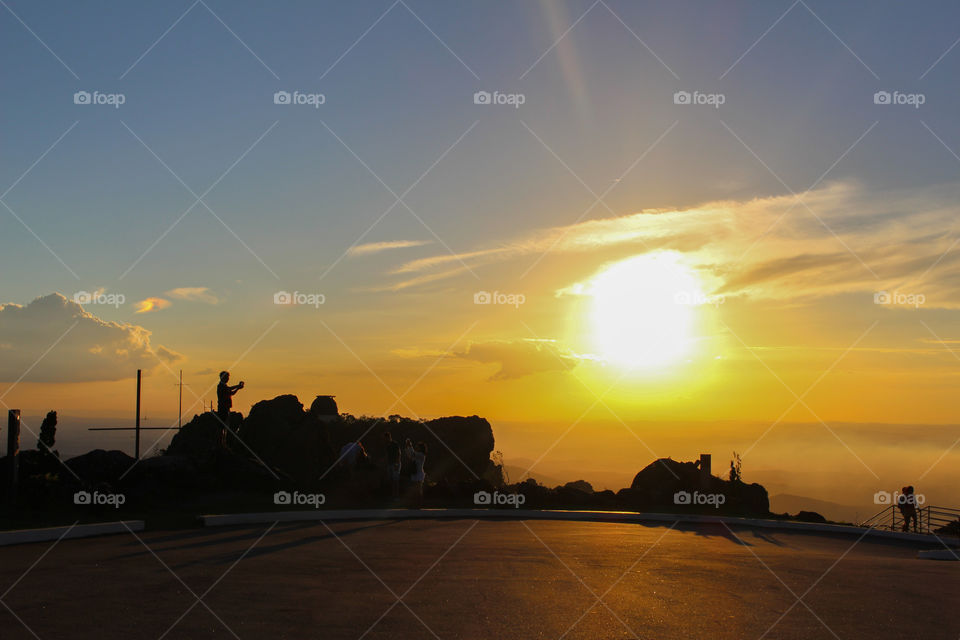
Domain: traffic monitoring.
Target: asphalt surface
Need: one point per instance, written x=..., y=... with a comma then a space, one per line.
x=469, y=579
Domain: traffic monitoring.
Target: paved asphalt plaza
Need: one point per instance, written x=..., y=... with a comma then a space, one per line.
x=470, y=579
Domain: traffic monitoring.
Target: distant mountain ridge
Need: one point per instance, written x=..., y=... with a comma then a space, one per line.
x=789, y=503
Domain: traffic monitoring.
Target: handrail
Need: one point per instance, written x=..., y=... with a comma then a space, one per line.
x=875, y=520
x=929, y=519
x=875, y=516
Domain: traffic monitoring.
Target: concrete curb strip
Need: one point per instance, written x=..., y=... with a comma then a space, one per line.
x=575, y=516
x=939, y=554
x=23, y=536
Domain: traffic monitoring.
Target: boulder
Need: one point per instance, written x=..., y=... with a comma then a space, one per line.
x=197, y=453
x=286, y=437
x=809, y=516
x=201, y=437
x=324, y=407
x=99, y=466
x=658, y=482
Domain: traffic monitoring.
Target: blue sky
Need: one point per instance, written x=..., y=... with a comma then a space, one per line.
x=398, y=98
x=398, y=78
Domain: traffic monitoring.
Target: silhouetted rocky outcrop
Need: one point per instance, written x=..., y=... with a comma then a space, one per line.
x=809, y=516
x=201, y=437
x=657, y=484
x=458, y=447
x=282, y=445
x=284, y=436
x=197, y=458
x=303, y=444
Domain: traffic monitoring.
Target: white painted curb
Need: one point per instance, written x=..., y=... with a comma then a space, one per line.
x=576, y=516
x=23, y=536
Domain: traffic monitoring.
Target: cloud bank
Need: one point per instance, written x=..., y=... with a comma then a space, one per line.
x=53, y=339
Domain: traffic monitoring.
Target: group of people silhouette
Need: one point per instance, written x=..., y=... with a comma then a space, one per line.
x=403, y=466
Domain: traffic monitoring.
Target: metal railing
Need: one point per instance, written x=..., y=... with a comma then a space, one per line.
x=930, y=519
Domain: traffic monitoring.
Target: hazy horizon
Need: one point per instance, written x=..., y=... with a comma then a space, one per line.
x=789, y=465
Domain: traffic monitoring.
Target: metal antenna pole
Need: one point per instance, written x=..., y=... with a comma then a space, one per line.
x=137, y=427
x=13, y=452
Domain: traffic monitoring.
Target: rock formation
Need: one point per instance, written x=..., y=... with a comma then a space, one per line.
x=657, y=483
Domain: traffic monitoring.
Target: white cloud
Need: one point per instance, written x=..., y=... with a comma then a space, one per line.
x=82, y=347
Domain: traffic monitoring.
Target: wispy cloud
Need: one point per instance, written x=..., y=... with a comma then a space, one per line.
x=194, y=294
x=377, y=247
x=168, y=355
x=519, y=358
x=849, y=240
x=515, y=358
x=151, y=304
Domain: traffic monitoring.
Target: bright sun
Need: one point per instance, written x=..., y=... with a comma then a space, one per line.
x=643, y=310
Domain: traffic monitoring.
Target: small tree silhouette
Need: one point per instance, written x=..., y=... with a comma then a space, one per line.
x=736, y=468
x=497, y=458
x=48, y=433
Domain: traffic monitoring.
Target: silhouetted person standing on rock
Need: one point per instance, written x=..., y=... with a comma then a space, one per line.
x=225, y=395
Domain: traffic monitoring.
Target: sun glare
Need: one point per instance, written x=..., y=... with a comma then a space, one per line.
x=643, y=311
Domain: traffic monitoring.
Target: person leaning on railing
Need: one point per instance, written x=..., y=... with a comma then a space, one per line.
x=907, y=502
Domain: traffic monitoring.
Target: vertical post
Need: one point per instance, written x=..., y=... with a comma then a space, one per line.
x=180, y=406
x=13, y=451
x=137, y=427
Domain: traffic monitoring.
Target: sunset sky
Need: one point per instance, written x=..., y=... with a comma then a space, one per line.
x=656, y=263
